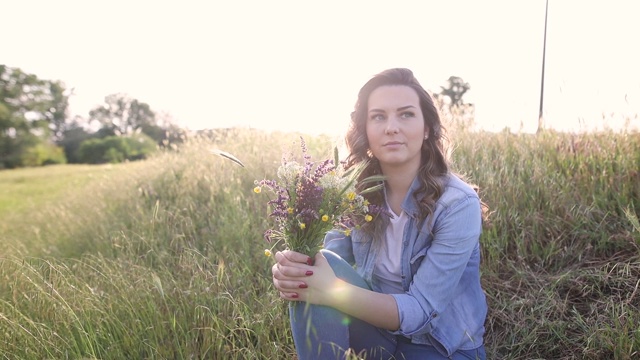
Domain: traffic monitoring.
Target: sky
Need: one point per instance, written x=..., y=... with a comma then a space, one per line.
x=298, y=65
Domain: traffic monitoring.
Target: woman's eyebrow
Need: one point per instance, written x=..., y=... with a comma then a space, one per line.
x=399, y=109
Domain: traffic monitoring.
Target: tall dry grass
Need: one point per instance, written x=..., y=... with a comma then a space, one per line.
x=163, y=258
x=561, y=256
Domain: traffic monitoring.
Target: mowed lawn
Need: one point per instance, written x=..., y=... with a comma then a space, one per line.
x=26, y=189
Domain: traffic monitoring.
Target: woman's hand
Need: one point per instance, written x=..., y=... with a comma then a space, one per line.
x=289, y=272
x=297, y=280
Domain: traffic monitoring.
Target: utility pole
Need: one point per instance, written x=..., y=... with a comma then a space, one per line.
x=544, y=51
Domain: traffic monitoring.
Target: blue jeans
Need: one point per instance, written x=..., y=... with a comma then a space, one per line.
x=322, y=332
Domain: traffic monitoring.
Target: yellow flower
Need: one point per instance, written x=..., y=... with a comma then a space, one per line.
x=257, y=189
x=351, y=196
x=303, y=226
x=267, y=252
x=366, y=202
x=290, y=210
x=325, y=218
x=347, y=232
x=368, y=218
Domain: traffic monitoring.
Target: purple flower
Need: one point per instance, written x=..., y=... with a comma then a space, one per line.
x=311, y=199
x=267, y=235
x=323, y=169
x=309, y=196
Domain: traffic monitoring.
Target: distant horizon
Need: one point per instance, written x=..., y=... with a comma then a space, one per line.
x=299, y=66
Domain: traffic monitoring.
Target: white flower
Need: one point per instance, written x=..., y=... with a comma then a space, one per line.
x=289, y=171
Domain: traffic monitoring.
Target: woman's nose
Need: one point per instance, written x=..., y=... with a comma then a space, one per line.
x=392, y=126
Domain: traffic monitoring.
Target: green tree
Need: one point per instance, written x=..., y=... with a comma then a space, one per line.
x=115, y=149
x=32, y=113
x=165, y=133
x=455, y=89
x=57, y=112
x=122, y=115
x=73, y=135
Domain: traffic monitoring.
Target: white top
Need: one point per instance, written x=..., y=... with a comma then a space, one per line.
x=387, y=272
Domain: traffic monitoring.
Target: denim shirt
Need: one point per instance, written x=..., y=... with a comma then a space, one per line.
x=443, y=304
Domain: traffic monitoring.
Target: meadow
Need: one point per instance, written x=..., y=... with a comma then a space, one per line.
x=163, y=258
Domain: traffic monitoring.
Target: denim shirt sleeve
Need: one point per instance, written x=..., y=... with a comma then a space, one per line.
x=456, y=233
x=340, y=244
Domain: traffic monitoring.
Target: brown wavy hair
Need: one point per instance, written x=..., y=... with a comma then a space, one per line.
x=434, y=162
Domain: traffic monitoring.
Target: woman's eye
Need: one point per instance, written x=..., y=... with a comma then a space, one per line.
x=408, y=114
x=377, y=117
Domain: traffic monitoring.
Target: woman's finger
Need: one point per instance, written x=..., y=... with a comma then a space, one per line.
x=281, y=271
x=289, y=296
x=289, y=285
x=293, y=256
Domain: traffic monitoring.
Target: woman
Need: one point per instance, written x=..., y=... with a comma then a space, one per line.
x=415, y=291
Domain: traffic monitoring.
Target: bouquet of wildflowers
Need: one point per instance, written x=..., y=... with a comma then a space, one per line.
x=313, y=198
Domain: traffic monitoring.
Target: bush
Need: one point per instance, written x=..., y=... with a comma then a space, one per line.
x=43, y=154
x=71, y=140
x=115, y=149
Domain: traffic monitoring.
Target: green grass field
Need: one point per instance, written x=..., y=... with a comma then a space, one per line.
x=163, y=259
x=29, y=188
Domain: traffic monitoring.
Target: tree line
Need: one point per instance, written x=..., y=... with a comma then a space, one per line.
x=36, y=128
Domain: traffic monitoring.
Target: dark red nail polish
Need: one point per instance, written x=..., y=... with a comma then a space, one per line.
x=309, y=261
x=303, y=286
x=295, y=296
x=309, y=273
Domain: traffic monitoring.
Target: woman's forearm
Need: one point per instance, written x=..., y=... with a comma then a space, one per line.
x=318, y=284
x=377, y=309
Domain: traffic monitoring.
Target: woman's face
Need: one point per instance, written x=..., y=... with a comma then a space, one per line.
x=395, y=127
